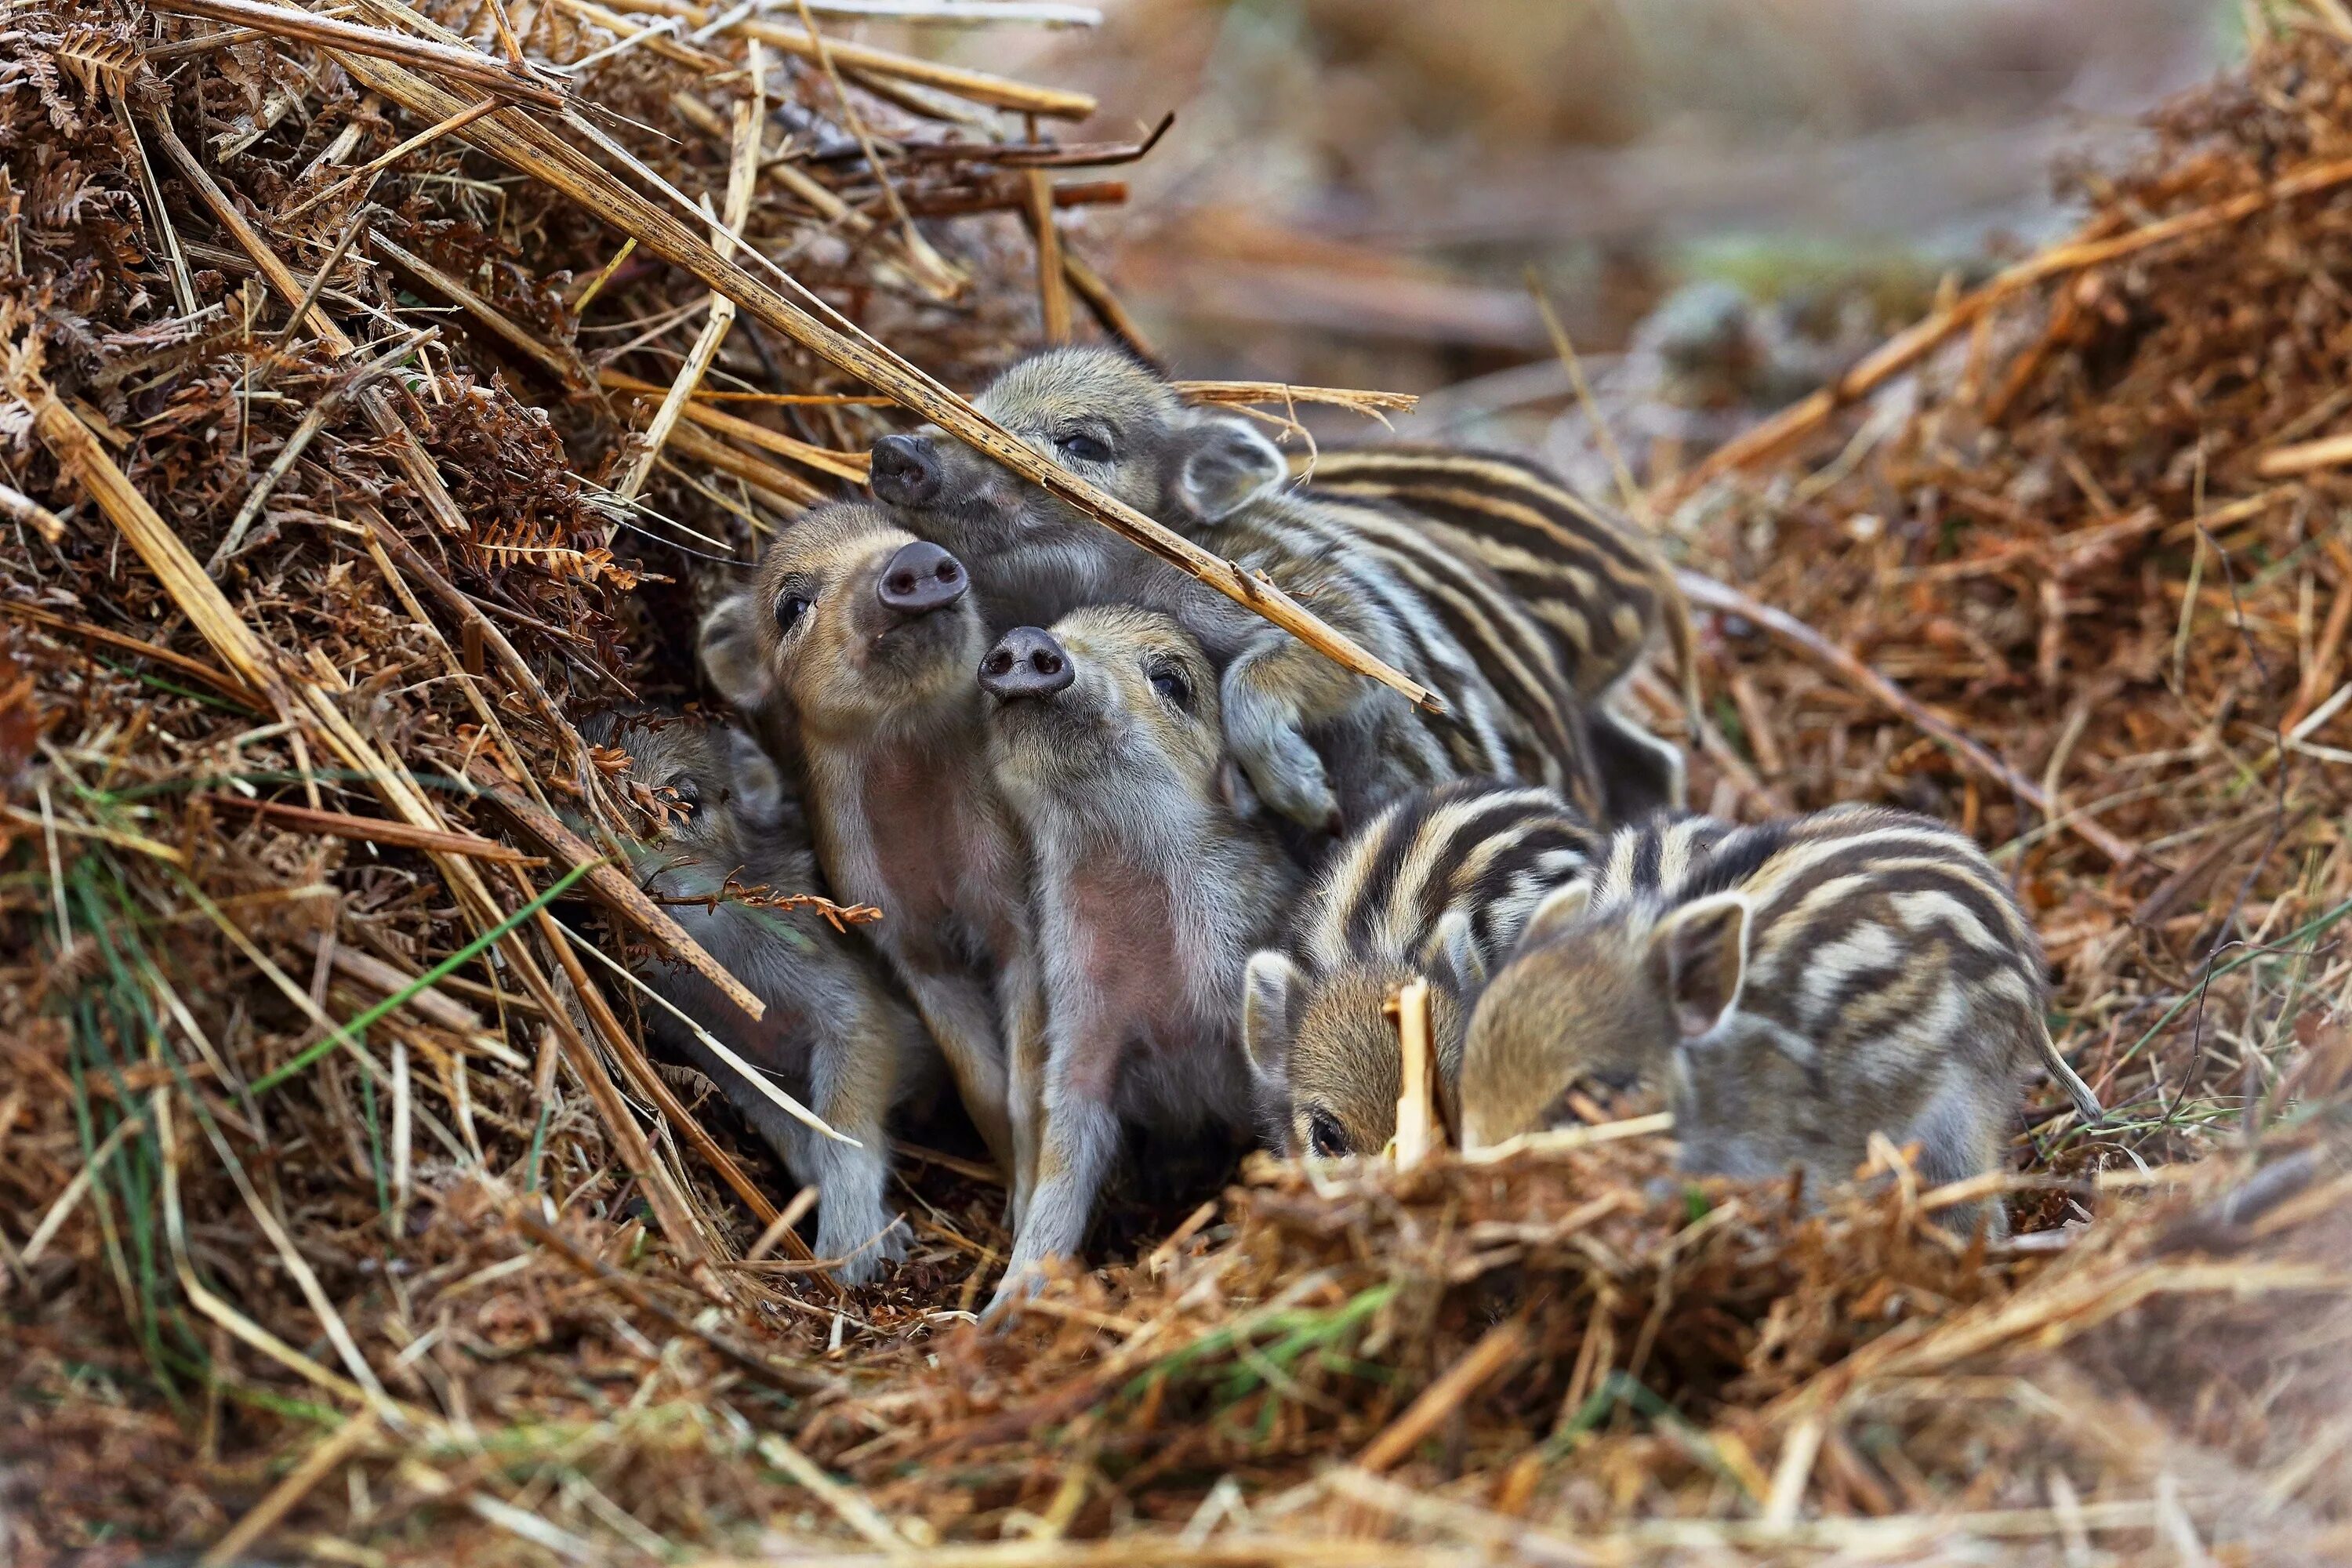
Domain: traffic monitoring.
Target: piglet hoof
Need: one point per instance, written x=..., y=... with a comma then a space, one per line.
x=862, y=1247
x=1288, y=776
x=1021, y=1281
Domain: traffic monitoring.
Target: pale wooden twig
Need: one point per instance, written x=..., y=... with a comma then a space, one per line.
x=979, y=86
x=444, y=59
x=1365, y=401
x=523, y=143
x=1416, y=1115
x=850, y=466
x=2305, y=457
x=1557, y=1140
x=1053, y=280
x=19, y=506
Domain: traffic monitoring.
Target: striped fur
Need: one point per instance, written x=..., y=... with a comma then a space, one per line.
x=1319, y=744
x=1592, y=580
x=1438, y=886
x=1797, y=986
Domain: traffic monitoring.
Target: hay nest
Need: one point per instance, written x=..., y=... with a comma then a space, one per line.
x=304, y=1258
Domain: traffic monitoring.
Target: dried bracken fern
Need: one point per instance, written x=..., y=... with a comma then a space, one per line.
x=463, y=1283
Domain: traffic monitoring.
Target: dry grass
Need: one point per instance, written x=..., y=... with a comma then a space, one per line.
x=341, y=1213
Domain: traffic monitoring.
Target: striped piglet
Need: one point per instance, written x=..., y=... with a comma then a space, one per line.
x=1436, y=887
x=1796, y=986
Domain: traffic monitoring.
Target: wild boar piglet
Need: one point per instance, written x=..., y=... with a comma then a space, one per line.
x=1150, y=890
x=858, y=643
x=1794, y=986
x=1320, y=746
x=1436, y=887
x=836, y=1035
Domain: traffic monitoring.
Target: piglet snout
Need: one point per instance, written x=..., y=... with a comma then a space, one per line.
x=906, y=471
x=1026, y=663
x=921, y=578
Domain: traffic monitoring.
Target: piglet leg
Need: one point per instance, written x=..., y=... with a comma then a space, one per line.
x=960, y=1014
x=1080, y=1138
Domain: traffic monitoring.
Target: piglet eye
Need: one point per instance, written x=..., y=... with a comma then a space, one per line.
x=1086, y=448
x=685, y=796
x=1325, y=1135
x=789, y=608
x=1171, y=685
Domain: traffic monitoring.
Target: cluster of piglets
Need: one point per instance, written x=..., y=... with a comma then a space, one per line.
x=1144, y=862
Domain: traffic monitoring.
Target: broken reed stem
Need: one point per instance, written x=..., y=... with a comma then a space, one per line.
x=978, y=87
x=1053, y=282
x=1708, y=593
x=849, y=466
x=466, y=65
x=1416, y=1115
x=1364, y=402
x=742, y=177
x=523, y=143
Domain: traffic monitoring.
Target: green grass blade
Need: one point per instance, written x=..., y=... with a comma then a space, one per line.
x=346, y=1033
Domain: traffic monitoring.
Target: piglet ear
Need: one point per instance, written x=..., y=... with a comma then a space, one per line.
x=1270, y=991
x=729, y=646
x=1225, y=464
x=1451, y=957
x=1234, y=790
x=1698, y=956
x=1559, y=909
x=756, y=782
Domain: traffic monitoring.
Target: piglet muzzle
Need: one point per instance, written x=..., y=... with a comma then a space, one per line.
x=921, y=578
x=1026, y=663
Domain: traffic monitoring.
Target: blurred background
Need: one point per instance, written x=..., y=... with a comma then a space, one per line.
x=1727, y=199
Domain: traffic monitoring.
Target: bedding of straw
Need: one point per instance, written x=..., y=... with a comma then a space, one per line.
x=301, y=1259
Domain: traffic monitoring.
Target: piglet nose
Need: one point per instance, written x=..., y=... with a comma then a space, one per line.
x=1026, y=663
x=921, y=578
x=904, y=472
